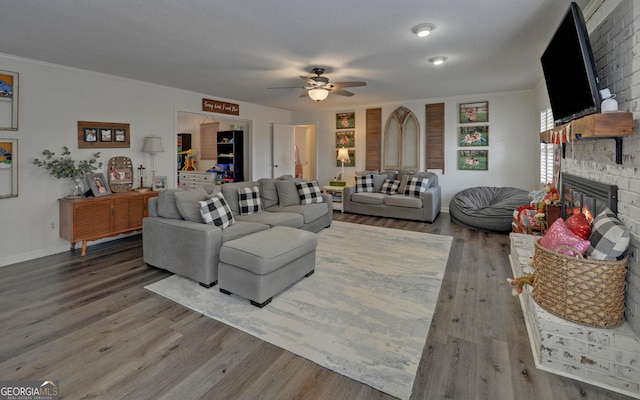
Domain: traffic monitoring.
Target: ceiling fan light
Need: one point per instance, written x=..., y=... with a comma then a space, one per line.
x=318, y=94
x=437, y=60
x=423, y=30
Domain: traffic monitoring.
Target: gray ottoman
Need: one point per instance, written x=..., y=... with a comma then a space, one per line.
x=263, y=264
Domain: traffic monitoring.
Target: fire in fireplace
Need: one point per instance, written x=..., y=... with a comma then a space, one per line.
x=586, y=196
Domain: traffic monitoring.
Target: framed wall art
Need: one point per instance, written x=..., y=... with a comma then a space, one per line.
x=9, y=101
x=8, y=168
x=474, y=135
x=98, y=184
x=345, y=120
x=471, y=113
x=473, y=160
x=159, y=183
x=345, y=139
x=107, y=135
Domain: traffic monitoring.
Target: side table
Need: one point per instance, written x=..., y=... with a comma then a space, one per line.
x=336, y=195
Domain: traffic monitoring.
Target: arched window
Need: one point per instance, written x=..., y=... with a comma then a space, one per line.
x=401, y=140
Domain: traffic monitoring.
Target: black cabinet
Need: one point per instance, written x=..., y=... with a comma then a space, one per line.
x=230, y=155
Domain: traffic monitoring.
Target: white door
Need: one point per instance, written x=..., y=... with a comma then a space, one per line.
x=283, y=150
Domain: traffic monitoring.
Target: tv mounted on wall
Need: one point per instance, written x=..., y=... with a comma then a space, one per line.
x=570, y=71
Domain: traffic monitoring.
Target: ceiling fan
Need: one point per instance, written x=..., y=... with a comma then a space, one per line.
x=318, y=87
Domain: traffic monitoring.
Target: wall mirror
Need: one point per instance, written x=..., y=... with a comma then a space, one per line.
x=120, y=174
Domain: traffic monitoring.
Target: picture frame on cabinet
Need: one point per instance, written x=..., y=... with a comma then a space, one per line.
x=159, y=183
x=9, y=100
x=98, y=184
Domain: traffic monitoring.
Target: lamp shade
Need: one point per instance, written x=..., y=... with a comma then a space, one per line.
x=343, y=154
x=152, y=144
x=318, y=94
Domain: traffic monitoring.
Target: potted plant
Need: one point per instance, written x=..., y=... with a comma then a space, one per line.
x=64, y=166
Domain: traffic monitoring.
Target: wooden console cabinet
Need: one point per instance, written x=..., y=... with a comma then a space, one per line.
x=100, y=217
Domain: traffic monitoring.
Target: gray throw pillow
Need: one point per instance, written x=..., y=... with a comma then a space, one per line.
x=378, y=180
x=188, y=203
x=287, y=192
x=268, y=192
x=167, y=207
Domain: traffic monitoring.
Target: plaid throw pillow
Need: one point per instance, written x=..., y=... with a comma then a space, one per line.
x=609, y=238
x=309, y=192
x=216, y=211
x=415, y=186
x=249, y=200
x=364, y=183
x=390, y=186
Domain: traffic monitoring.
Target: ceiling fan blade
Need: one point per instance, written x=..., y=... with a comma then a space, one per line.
x=348, y=84
x=340, y=92
x=304, y=94
x=285, y=87
x=309, y=81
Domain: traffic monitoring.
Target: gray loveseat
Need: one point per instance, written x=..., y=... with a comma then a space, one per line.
x=176, y=239
x=424, y=207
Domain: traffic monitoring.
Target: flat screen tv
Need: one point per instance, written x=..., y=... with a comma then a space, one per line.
x=570, y=71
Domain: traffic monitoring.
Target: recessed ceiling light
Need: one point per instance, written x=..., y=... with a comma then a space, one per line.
x=423, y=30
x=437, y=60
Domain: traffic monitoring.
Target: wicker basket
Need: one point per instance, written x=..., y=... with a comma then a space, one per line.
x=589, y=292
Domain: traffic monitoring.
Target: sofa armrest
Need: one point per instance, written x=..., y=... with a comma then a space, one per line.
x=152, y=206
x=188, y=248
x=431, y=202
x=346, y=198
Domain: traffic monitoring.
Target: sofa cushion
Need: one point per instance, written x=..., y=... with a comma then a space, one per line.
x=390, y=174
x=241, y=229
x=167, y=207
x=609, y=238
x=390, y=186
x=293, y=220
x=310, y=212
x=415, y=186
x=287, y=192
x=364, y=183
x=230, y=192
x=268, y=192
x=309, y=192
x=368, y=198
x=187, y=202
x=399, y=200
x=216, y=211
x=249, y=201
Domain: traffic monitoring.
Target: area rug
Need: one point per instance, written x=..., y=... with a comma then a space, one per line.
x=365, y=313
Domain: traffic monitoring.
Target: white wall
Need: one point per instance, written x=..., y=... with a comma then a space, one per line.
x=513, y=141
x=52, y=100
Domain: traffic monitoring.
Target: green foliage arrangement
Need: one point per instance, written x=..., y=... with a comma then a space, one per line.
x=63, y=166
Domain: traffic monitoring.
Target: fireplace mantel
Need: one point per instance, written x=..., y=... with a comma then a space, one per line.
x=613, y=125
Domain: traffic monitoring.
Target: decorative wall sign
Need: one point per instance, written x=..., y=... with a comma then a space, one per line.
x=345, y=139
x=109, y=135
x=8, y=168
x=471, y=113
x=477, y=160
x=221, y=107
x=474, y=135
x=346, y=120
x=8, y=101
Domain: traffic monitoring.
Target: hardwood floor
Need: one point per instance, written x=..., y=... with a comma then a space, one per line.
x=89, y=323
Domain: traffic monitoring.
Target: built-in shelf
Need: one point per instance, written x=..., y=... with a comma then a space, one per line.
x=614, y=126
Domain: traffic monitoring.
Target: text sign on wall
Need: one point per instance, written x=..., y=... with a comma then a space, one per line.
x=220, y=107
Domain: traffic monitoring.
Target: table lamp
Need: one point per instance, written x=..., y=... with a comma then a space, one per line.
x=343, y=156
x=153, y=145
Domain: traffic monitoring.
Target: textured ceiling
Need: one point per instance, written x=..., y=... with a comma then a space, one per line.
x=238, y=49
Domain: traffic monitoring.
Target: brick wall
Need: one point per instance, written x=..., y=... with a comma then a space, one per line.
x=614, y=32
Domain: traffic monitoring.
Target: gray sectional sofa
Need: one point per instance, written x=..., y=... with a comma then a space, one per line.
x=176, y=239
x=423, y=207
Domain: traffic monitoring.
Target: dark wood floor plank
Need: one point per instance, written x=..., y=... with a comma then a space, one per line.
x=89, y=322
